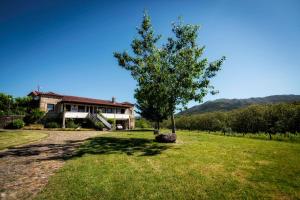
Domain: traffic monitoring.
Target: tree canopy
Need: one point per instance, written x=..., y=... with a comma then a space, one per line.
x=169, y=75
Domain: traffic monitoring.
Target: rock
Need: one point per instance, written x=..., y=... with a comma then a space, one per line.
x=166, y=138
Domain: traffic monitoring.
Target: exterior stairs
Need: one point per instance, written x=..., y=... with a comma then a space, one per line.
x=99, y=118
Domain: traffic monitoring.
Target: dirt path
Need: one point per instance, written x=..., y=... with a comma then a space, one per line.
x=25, y=170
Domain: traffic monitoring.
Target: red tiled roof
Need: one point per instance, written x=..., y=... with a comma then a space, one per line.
x=50, y=94
x=75, y=99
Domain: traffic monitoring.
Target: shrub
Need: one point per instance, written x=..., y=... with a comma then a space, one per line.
x=71, y=124
x=52, y=125
x=142, y=123
x=111, y=121
x=35, y=115
x=16, y=124
x=99, y=126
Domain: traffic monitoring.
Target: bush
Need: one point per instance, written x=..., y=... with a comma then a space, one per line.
x=111, y=121
x=52, y=125
x=35, y=115
x=142, y=123
x=71, y=124
x=99, y=126
x=16, y=124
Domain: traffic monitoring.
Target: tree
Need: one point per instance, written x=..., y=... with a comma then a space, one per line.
x=147, y=69
x=169, y=76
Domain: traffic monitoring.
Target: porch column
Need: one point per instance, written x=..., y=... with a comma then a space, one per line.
x=64, y=120
x=129, y=127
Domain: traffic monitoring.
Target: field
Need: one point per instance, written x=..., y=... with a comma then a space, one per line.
x=14, y=138
x=129, y=165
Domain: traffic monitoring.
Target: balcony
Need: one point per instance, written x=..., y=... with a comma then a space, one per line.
x=106, y=115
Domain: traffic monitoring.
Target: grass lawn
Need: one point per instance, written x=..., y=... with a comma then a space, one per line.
x=13, y=138
x=129, y=165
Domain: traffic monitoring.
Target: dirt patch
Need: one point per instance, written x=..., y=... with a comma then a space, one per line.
x=24, y=170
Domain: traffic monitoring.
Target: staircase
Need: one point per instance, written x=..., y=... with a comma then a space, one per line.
x=99, y=118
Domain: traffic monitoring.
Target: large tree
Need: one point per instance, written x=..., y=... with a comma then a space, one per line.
x=171, y=75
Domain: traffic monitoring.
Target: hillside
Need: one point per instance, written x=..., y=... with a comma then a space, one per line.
x=231, y=104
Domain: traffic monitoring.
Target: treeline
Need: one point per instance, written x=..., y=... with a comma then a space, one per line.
x=271, y=118
x=15, y=112
x=15, y=106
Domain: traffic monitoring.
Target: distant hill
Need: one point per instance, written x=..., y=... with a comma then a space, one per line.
x=231, y=104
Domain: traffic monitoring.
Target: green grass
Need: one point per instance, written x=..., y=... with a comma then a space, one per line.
x=14, y=138
x=129, y=165
x=287, y=137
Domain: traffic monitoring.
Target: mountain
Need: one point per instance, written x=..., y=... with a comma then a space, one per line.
x=231, y=104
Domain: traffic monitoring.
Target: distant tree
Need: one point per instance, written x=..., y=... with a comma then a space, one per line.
x=6, y=103
x=169, y=76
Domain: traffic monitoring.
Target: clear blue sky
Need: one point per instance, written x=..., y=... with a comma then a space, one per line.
x=67, y=46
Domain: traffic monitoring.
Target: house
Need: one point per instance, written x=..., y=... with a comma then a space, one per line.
x=72, y=107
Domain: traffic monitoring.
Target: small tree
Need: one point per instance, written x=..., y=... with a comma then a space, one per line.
x=169, y=76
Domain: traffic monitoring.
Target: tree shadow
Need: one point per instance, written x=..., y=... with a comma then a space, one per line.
x=130, y=146
x=78, y=148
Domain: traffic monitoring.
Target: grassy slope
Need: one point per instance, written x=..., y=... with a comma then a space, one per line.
x=199, y=166
x=13, y=138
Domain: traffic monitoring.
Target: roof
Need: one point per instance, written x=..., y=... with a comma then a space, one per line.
x=84, y=100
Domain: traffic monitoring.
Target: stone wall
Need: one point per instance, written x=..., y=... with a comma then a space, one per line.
x=44, y=101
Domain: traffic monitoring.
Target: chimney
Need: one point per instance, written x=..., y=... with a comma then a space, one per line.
x=113, y=99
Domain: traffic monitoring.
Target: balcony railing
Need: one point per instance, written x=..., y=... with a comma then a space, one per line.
x=106, y=115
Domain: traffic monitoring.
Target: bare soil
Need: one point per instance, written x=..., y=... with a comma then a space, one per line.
x=25, y=169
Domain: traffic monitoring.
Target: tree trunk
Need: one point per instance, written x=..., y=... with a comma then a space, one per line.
x=173, y=123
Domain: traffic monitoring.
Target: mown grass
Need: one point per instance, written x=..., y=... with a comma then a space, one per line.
x=14, y=138
x=287, y=137
x=129, y=165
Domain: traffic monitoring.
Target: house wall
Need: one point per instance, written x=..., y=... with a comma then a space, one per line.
x=58, y=108
x=45, y=100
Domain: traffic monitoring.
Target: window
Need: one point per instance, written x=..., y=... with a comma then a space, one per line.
x=118, y=111
x=68, y=107
x=50, y=107
x=81, y=109
x=122, y=111
x=108, y=110
x=74, y=108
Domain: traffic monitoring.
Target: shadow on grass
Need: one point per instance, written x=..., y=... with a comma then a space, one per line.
x=77, y=148
x=136, y=130
x=130, y=146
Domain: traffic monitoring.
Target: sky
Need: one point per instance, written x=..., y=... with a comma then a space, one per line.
x=66, y=46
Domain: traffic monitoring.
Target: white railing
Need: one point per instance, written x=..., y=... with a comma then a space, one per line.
x=117, y=116
x=106, y=115
x=76, y=114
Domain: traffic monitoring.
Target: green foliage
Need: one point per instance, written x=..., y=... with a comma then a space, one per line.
x=273, y=118
x=142, y=123
x=15, y=106
x=52, y=125
x=99, y=126
x=16, y=124
x=6, y=103
x=111, y=121
x=71, y=124
x=34, y=115
x=170, y=75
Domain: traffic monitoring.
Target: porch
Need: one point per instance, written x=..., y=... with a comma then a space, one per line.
x=123, y=119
